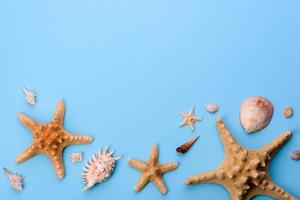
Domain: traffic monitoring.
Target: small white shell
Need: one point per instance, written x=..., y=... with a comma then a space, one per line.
x=16, y=180
x=256, y=113
x=76, y=157
x=212, y=108
x=99, y=168
x=30, y=96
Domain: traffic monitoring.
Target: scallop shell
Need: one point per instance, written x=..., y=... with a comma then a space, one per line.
x=212, y=108
x=256, y=113
x=16, y=180
x=99, y=168
x=295, y=155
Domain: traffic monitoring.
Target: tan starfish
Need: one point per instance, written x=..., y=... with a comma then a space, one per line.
x=50, y=139
x=244, y=172
x=152, y=171
x=189, y=119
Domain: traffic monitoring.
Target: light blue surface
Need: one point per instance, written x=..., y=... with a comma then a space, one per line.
x=127, y=68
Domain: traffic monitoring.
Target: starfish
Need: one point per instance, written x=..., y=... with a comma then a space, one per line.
x=189, y=119
x=152, y=171
x=244, y=172
x=50, y=139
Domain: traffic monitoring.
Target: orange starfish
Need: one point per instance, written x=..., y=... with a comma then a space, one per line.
x=245, y=172
x=152, y=171
x=50, y=139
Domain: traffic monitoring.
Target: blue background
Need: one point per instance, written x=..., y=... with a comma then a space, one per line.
x=127, y=68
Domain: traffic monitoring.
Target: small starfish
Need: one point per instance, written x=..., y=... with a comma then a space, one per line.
x=244, y=172
x=152, y=171
x=190, y=119
x=50, y=139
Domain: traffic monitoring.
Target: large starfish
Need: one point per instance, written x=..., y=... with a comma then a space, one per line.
x=50, y=139
x=189, y=119
x=244, y=172
x=152, y=171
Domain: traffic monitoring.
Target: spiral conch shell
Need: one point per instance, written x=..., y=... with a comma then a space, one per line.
x=99, y=168
x=256, y=113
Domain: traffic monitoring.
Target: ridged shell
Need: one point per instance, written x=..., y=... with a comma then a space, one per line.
x=99, y=168
x=186, y=146
x=256, y=113
x=16, y=180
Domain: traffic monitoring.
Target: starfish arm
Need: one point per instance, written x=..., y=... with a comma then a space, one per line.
x=275, y=191
x=158, y=181
x=153, y=155
x=58, y=164
x=77, y=139
x=206, y=177
x=28, y=122
x=275, y=145
x=168, y=167
x=226, y=137
x=182, y=114
x=192, y=127
x=137, y=164
x=27, y=154
x=192, y=110
x=182, y=124
x=59, y=113
x=144, y=179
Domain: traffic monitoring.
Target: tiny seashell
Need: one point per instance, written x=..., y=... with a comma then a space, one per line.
x=288, y=112
x=212, y=108
x=99, y=168
x=16, y=180
x=295, y=155
x=186, y=146
x=76, y=157
x=30, y=96
x=256, y=113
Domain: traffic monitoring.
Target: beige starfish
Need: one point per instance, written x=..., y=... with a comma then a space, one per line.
x=244, y=172
x=189, y=119
x=50, y=139
x=152, y=171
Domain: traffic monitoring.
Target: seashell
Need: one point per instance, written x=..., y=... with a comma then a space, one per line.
x=288, y=112
x=76, y=157
x=212, y=108
x=256, y=113
x=30, y=97
x=295, y=155
x=186, y=146
x=99, y=168
x=16, y=180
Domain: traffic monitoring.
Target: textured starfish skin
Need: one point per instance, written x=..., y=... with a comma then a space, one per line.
x=189, y=119
x=152, y=171
x=244, y=172
x=50, y=139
